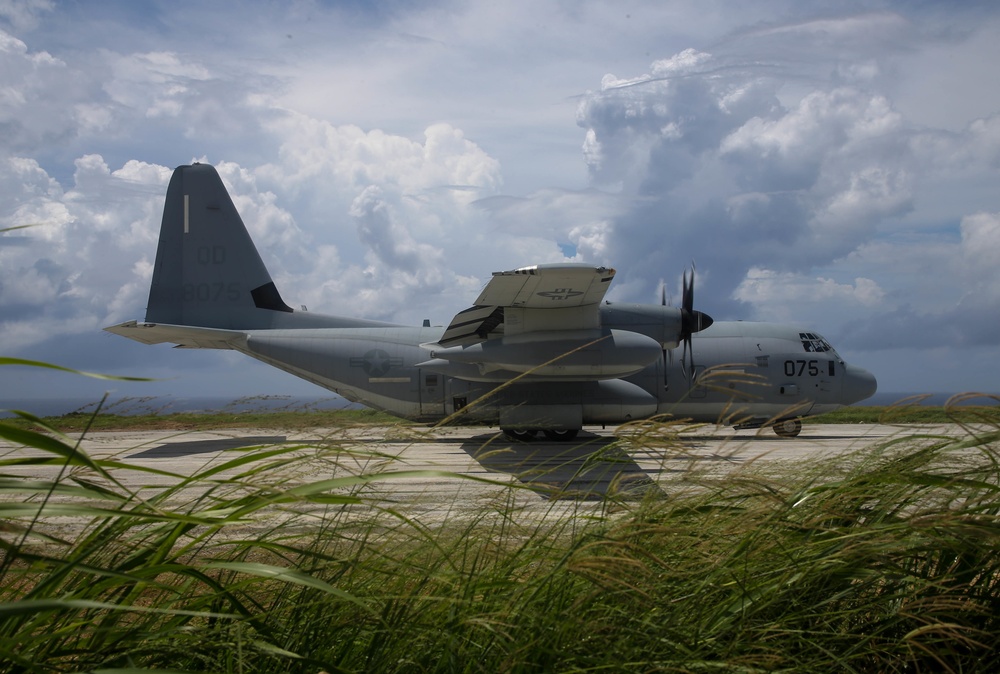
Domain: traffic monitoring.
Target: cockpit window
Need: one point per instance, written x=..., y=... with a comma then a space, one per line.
x=813, y=343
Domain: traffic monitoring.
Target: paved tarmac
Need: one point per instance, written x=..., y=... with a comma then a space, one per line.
x=622, y=463
x=592, y=466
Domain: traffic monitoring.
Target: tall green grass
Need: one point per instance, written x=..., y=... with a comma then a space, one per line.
x=288, y=558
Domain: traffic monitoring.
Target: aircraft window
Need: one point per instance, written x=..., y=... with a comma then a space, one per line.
x=813, y=343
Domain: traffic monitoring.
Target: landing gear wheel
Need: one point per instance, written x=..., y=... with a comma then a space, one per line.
x=789, y=428
x=561, y=435
x=519, y=435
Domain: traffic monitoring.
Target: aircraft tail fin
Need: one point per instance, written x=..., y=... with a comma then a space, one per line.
x=208, y=272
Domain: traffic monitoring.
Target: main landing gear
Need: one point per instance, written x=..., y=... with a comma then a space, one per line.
x=527, y=435
x=789, y=428
x=786, y=428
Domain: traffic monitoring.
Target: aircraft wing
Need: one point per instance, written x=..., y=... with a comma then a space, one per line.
x=530, y=298
x=185, y=337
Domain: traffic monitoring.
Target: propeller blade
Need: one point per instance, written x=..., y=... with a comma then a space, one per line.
x=663, y=303
x=692, y=321
x=687, y=297
x=688, y=360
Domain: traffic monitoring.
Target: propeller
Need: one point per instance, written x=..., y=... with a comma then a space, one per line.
x=663, y=303
x=692, y=321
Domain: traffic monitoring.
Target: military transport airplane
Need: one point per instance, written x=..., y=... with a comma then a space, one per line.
x=539, y=351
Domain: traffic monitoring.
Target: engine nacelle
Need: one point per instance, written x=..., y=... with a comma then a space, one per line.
x=558, y=354
x=659, y=322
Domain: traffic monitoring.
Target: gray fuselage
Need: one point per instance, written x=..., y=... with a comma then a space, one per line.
x=744, y=373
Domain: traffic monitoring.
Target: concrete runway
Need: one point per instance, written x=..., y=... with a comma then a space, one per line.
x=601, y=467
x=591, y=466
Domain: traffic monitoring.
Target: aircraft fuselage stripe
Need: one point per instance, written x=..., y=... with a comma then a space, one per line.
x=187, y=211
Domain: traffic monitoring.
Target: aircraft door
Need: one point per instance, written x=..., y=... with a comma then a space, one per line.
x=431, y=393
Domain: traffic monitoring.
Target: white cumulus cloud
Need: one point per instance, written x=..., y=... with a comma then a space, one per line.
x=836, y=167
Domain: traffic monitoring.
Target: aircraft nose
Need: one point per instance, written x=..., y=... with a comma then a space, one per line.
x=859, y=384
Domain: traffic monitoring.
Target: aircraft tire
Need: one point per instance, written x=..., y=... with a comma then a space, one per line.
x=519, y=434
x=789, y=428
x=561, y=435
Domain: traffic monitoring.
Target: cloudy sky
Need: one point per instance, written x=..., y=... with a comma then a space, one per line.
x=832, y=164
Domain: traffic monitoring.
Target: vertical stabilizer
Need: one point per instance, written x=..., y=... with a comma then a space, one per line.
x=208, y=272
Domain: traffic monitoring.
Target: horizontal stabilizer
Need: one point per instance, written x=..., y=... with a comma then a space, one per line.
x=182, y=335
